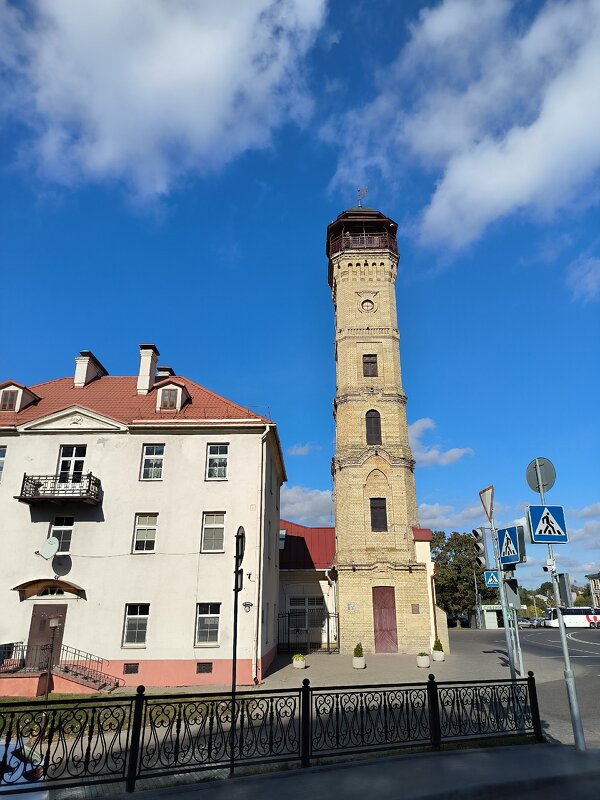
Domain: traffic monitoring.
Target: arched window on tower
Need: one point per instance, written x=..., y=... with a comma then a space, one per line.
x=373, y=422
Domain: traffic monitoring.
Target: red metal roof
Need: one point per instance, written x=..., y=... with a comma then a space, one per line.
x=117, y=398
x=307, y=548
x=422, y=534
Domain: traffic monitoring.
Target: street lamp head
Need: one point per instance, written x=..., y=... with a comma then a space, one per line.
x=247, y=606
x=54, y=622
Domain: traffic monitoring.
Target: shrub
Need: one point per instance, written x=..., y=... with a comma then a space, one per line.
x=423, y=654
x=437, y=645
x=358, y=651
x=298, y=657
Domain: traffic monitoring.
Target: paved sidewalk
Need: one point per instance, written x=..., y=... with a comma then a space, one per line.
x=518, y=772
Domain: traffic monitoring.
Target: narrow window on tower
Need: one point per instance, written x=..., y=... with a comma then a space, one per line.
x=378, y=514
x=373, y=421
x=370, y=366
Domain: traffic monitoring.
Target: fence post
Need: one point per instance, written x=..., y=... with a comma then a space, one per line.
x=535, y=709
x=134, y=742
x=435, y=730
x=305, y=723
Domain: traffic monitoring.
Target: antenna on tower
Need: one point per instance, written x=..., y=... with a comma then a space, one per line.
x=361, y=193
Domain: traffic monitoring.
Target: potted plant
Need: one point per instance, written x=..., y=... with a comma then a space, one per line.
x=358, y=658
x=423, y=660
x=438, y=651
x=298, y=660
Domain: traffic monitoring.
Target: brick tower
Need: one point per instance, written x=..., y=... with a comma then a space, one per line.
x=384, y=575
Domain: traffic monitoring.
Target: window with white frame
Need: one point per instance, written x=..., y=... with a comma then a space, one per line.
x=213, y=532
x=307, y=612
x=207, y=623
x=135, y=629
x=62, y=529
x=8, y=400
x=144, y=536
x=152, y=462
x=2, y=459
x=216, y=462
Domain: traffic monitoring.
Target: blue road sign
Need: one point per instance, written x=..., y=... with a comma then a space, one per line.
x=548, y=525
x=491, y=579
x=508, y=545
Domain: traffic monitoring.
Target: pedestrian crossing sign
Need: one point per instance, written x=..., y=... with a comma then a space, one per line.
x=508, y=545
x=548, y=525
x=491, y=579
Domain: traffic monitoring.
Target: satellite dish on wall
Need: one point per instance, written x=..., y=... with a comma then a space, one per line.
x=49, y=549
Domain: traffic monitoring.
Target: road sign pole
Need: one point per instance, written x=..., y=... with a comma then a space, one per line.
x=578, y=734
x=503, y=603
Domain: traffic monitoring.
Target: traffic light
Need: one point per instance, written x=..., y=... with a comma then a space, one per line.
x=480, y=549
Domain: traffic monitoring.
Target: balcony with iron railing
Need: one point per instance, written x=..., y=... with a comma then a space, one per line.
x=363, y=241
x=61, y=488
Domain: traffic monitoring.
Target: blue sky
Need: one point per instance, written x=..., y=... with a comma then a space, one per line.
x=168, y=170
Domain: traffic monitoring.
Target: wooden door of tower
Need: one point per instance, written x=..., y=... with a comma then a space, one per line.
x=384, y=619
x=42, y=636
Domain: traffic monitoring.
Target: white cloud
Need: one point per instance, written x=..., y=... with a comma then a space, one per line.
x=447, y=518
x=592, y=510
x=301, y=449
x=143, y=90
x=430, y=455
x=583, y=278
x=505, y=110
x=307, y=506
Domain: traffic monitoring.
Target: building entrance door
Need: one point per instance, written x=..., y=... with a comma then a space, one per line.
x=43, y=638
x=384, y=619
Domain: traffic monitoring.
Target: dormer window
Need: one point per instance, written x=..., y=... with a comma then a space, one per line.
x=171, y=395
x=8, y=400
x=168, y=398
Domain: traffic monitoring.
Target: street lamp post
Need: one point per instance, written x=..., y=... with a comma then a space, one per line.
x=238, y=582
x=53, y=624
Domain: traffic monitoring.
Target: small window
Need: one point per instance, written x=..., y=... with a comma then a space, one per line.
x=207, y=623
x=415, y=609
x=136, y=623
x=378, y=514
x=71, y=462
x=62, y=529
x=370, y=365
x=373, y=423
x=203, y=667
x=144, y=537
x=131, y=669
x=216, y=462
x=168, y=398
x=152, y=462
x=213, y=533
x=8, y=400
x=2, y=459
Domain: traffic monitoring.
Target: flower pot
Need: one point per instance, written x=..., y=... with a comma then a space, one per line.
x=358, y=662
x=438, y=655
x=423, y=661
x=299, y=663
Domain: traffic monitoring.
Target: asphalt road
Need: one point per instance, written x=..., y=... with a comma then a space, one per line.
x=542, y=653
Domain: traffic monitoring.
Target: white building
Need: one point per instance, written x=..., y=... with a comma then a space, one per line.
x=144, y=482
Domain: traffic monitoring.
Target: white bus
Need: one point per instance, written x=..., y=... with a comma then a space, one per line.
x=578, y=617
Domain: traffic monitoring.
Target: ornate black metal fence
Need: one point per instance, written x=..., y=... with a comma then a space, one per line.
x=107, y=740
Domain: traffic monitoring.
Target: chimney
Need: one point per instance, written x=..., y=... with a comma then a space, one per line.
x=147, y=375
x=87, y=369
x=165, y=372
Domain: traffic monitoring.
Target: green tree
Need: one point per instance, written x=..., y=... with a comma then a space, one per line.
x=454, y=558
x=584, y=596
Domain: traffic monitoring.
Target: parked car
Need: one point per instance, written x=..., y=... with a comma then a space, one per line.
x=19, y=771
x=526, y=622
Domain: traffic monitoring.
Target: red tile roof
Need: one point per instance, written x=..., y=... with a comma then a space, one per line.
x=307, y=548
x=117, y=398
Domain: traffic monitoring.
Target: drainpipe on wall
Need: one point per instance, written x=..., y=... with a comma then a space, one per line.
x=259, y=555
